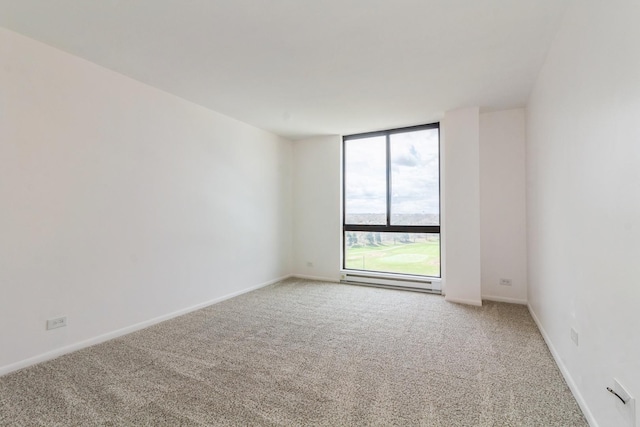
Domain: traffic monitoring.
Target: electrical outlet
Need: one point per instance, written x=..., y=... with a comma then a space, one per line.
x=58, y=322
x=574, y=336
x=505, y=282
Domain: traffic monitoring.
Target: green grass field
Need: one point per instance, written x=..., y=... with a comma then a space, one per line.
x=421, y=258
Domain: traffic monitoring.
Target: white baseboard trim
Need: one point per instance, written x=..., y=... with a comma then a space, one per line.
x=319, y=278
x=505, y=299
x=124, y=331
x=477, y=303
x=565, y=372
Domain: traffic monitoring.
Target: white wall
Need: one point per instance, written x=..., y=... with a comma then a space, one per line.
x=461, y=206
x=120, y=203
x=317, y=217
x=583, y=180
x=503, y=240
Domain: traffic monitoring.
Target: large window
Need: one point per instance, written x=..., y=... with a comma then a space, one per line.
x=391, y=216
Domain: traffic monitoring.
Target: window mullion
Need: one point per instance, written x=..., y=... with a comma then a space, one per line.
x=388, y=139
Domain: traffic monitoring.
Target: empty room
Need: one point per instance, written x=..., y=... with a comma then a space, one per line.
x=332, y=213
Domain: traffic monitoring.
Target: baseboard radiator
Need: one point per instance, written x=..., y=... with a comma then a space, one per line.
x=408, y=283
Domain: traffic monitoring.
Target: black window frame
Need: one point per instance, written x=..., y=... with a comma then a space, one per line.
x=388, y=227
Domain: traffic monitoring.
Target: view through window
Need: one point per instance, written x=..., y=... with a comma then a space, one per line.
x=391, y=218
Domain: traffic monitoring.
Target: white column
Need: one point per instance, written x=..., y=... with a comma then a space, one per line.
x=461, y=206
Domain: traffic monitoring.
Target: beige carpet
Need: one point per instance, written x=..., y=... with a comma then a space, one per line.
x=307, y=353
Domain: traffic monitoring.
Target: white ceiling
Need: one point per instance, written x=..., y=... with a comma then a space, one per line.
x=300, y=68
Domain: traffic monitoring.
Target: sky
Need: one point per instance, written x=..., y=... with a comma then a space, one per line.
x=414, y=174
